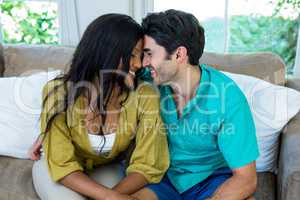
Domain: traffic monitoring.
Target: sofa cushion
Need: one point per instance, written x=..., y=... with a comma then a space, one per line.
x=16, y=179
x=28, y=59
x=1, y=60
x=266, y=186
x=266, y=66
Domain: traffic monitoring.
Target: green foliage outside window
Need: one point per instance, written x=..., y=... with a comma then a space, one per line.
x=22, y=24
x=255, y=33
x=275, y=33
x=252, y=33
x=260, y=33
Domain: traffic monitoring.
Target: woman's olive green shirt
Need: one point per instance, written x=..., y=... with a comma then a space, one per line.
x=66, y=144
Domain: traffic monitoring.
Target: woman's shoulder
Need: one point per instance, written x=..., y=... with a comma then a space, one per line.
x=147, y=95
x=52, y=97
x=51, y=85
x=146, y=88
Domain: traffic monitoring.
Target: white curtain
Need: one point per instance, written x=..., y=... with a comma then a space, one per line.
x=297, y=61
x=68, y=22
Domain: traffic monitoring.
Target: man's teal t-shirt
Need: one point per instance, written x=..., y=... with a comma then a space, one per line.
x=216, y=130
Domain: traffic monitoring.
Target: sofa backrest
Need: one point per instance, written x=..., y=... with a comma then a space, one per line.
x=1, y=60
x=263, y=65
x=27, y=59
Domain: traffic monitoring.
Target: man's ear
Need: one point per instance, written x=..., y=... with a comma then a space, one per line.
x=181, y=54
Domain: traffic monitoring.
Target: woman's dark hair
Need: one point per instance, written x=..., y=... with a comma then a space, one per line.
x=108, y=41
x=173, y=28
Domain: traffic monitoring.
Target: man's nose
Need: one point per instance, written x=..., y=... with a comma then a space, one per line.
x=146, y=62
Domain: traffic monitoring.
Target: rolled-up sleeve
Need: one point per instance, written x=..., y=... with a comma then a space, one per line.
x=57, y=145
x=59, y=150
x=151, y=155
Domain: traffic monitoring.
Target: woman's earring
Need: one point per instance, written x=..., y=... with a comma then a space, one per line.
x=132, y=73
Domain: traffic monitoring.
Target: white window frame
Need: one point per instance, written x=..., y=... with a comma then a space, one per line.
x=69, y=34
x=297, y=61
x=1, y=39
x=141, y=8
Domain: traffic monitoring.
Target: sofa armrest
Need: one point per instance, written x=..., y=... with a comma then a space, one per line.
x=293, y=82
x=289, y=161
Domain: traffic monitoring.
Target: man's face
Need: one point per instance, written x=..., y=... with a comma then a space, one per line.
x=163, y=66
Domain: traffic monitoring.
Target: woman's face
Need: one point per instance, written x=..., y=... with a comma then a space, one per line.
x=135, y=63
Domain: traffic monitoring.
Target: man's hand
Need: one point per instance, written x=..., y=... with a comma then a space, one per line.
x=118, y=196
x=35, y=150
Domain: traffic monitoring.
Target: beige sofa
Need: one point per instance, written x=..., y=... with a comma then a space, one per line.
x=15, y=174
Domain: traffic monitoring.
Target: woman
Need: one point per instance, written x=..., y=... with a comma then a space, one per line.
x=92, y=113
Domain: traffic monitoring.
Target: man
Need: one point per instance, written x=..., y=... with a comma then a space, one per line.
x=211, y=132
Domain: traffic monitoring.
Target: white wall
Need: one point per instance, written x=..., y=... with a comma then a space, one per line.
x=88, y=10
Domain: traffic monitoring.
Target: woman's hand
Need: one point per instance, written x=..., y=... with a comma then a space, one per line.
x=35, y=150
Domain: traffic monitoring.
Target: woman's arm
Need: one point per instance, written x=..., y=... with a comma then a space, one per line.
x=64, y=167
x=150, y=158
x=131, y=183
x=84, y=185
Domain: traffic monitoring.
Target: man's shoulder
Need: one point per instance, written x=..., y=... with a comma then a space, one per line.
x=225, y=85
x=216, y=76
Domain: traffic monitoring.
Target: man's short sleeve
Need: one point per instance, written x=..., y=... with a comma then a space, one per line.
x=237, y=139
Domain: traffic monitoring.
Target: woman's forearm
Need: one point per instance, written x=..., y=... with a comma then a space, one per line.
x=131, y=184
x=84, y=185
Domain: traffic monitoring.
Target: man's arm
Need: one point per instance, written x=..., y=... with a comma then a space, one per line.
x=240, y=186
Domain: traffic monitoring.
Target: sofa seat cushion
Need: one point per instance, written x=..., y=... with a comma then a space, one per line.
x=16, y=179
x=266, y=186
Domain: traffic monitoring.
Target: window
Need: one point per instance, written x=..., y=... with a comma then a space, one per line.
x=256, y=28
x=246, y=25
x=210, y=14
x=30, y=22
x=39, y=22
